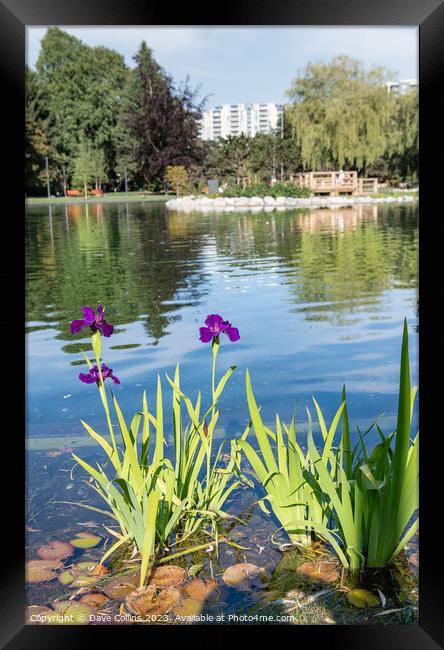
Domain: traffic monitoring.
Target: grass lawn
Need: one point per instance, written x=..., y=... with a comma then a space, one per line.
x=110, y=197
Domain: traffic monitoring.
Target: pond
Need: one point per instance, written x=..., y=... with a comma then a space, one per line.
x=319, y=297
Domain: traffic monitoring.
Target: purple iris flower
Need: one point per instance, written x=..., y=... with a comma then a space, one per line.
x=96, y=322
x=94, y=376
x=215, y=324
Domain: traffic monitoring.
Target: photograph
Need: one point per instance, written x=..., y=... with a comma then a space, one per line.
x=222, y=325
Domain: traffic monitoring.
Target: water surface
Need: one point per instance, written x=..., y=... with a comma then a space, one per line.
x=318, y=296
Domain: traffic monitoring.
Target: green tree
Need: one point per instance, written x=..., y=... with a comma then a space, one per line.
x=403, y=140
x=341, y=114
x=158, y=122
x=36, y=141
x=84, y=171
x=81, y=89
x=177, y=177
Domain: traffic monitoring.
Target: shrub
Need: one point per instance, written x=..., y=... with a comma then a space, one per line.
x=262, y=189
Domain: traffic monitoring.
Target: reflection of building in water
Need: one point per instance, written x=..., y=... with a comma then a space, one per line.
x=338, y=219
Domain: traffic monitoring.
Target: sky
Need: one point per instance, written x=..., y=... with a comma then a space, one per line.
x=249, y=64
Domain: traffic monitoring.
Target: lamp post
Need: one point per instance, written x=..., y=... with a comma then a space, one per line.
x=48, y=186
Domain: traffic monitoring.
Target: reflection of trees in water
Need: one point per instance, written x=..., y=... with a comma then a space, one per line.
x=338, y=257
x=137, y=259
x=127, y=261
x=353, y=257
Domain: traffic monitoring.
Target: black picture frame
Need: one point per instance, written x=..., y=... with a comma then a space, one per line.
x=15, y=15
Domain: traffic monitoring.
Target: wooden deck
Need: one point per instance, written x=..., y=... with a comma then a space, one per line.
x=335, y=183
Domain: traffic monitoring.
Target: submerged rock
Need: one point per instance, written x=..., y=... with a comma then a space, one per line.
x=244, y=576
x=167, y=576
x=94, y=599
x=151, y=602
x=188, y=607
x=319, y=571
x=199, y=589
x=121, y=586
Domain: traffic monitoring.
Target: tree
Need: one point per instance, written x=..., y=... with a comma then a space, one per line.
x=36, y=141
x=341, y=114
x=403, y=141
x=84, y=167
x=158, y=122
x=80, y=88
x=177, y=177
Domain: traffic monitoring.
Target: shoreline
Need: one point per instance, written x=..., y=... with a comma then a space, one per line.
x=61, y=200
x=268, y=203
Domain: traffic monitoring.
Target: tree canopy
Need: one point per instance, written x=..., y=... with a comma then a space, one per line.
x=158, y=122
x=86, y=110
x=341, y=114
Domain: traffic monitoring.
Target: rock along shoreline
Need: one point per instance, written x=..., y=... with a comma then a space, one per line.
x=269, y=203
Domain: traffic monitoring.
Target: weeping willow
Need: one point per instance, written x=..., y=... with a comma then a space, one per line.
x=341, y=114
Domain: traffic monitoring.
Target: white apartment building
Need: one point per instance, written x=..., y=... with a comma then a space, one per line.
x=403, y=86
x=235, y=119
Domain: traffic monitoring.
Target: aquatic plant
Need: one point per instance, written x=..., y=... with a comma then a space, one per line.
x=282, y=471
x=215, y=325
x=374, y=496
x=156, y=500
x=363, y=503
x=95, y=321
x=96, y=375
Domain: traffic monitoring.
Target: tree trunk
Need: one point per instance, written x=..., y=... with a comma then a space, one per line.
x=85, y=188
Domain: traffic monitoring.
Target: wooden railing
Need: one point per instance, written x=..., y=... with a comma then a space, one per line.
x=367, y=185
x=337, y=182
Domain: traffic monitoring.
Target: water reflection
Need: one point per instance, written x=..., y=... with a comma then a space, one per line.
x=318, y=296
x=140, y=259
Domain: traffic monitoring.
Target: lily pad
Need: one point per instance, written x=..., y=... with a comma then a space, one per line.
x=148, y=601
x=36, y=614
x=120, y=587
x=168, y=576
x=94, y=600
x=362, y=598
x=55, y=550
x=243, y=576
x=40, y=570
x=82, y=568
x=85, y=540
x=82, y=574
x=188, y=607
x=66, y=577
x=85, y=581
x=71, y=612
x=199, y=589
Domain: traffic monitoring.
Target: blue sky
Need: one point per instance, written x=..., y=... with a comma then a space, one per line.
x=250, y=64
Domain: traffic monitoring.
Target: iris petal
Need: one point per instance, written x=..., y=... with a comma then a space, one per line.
x=77, y=325
x=107, y=329
x=205, y=334
x=89, y=314
x=214, y=321
x=87, y=379
x=232, y=333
